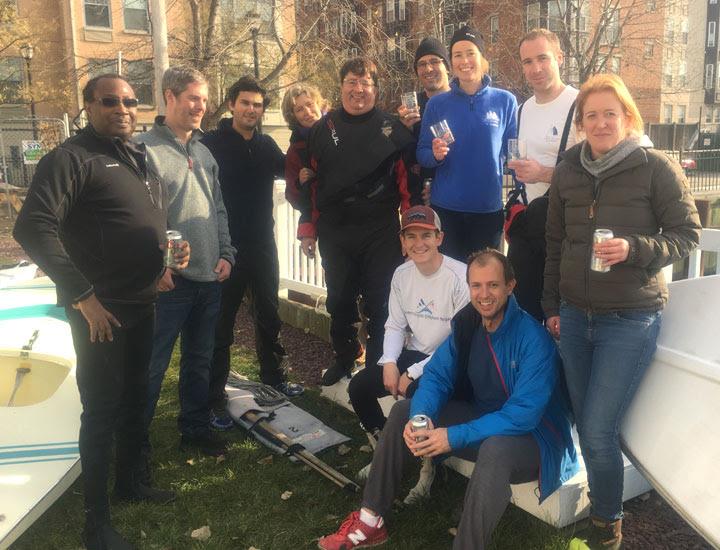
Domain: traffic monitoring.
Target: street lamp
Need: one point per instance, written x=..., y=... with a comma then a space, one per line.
x=254, y=30
x=27, y=51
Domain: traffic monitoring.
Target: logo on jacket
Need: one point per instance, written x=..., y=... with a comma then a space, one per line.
x=386, y=128
x=425, y=307
x=492, y=118
x=333, y=131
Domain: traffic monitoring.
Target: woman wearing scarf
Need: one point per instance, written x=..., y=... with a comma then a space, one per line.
x=302, y=107
x=608, y=322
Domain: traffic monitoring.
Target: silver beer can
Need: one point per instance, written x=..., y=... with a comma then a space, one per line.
x=598, y=264
x=419, y=422
x=173, y=243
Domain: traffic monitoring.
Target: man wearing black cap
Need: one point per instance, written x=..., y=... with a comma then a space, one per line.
x=431, y=68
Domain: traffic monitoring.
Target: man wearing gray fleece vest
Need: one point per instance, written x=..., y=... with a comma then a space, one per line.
x=188, y=304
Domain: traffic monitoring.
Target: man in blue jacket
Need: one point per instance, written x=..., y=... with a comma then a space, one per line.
x=490, y=394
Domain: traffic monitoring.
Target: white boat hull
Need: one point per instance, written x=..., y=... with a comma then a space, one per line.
x=672, y=430
x=39, y=456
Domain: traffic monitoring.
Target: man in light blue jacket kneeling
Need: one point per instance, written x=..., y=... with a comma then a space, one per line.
x=491, y=395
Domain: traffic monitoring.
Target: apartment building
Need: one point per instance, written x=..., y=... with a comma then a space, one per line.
x=74, y=40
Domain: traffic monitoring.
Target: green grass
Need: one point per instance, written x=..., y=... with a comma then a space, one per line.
x=239, y=499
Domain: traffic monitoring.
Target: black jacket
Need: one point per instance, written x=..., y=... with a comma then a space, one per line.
x=94, y=220
x=248, y=169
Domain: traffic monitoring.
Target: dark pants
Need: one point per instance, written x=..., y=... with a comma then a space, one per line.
x=112, y=379
x=499, y=462
x=358, y=260
x=191, y=310
x=467, y=232
x=366, y=387
x=255, y=270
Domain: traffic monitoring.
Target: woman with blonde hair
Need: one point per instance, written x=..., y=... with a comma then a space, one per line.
x=302, y=107
x=607, y=312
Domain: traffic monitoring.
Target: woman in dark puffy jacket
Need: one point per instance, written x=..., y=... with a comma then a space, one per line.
x=608, y=322
x=302, y=107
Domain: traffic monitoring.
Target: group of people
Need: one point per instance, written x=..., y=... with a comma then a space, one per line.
x=452, y=323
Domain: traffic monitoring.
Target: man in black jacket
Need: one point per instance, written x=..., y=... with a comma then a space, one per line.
x=361, y=156
x=94, y=220
x=249, y=162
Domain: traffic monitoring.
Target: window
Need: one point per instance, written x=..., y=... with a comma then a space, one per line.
x=708, y=114
x=716, y=118
x=533, y=18
x=448, y=31
x=97, y=13
x=681, y=110
x=682, y=74
x=96, y=67
x=709, y=75
x=401, y=10
x=669, y=31
x=11, y=79
x=556, y=15
x=667, y=114
x=684, y=31
x=140, y=76
x=135, y=13
x=650, y=5
x=711, y=34
x=713, y=1
x=649, y=49
x=614, y=64
x=494, y=28
x=612, y=28
x=579, y=15
x=389, y=11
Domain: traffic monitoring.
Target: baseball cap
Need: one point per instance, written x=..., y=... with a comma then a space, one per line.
x=420, y=216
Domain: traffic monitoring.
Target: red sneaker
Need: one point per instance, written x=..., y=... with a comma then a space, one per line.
x=353, y=533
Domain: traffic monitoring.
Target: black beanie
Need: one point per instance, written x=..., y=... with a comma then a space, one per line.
x=466, y=33
x=431, y=46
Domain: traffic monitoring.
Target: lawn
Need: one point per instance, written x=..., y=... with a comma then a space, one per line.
x=239, y=498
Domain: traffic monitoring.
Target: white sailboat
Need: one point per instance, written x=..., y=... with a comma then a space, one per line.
x=39, y=405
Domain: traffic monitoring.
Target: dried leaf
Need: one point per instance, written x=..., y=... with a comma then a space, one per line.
x=143, y=535
x=343, y=450
x=366, y=449
x=286, y=495
x=645, y=496
x=306, y=330
x=202, y=534
x=266, y=460
x=306, y=468
x=453, y=531
x=190, y=461
x=219, y=459
x=252, y=547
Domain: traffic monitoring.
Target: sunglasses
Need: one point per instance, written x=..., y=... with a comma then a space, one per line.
x=129, y=102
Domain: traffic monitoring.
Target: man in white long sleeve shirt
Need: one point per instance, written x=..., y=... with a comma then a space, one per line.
x=425, y=294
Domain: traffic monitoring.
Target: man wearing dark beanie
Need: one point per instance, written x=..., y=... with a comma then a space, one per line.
x=431, y=66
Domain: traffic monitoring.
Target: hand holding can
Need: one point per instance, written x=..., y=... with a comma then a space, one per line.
x=419, y=422
x=517, y=149
x=173, y=240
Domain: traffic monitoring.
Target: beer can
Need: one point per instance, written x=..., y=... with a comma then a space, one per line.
x=419, y=422
x=173, y=243
x=597, y=264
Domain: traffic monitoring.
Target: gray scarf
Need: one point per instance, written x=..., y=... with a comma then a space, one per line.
x=613, y=157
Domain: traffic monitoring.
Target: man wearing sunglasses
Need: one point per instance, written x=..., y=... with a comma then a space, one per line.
x=94, y=220
x=361, y=156
x=189, y=302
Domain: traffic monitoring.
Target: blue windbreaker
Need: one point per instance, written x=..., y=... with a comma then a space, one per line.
x=528, y=365
x=469, y=179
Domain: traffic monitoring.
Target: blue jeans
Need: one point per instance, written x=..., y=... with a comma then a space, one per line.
x=604, y=358
x=191, y=310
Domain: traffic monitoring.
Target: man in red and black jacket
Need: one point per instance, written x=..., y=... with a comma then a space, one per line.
x=360, y=155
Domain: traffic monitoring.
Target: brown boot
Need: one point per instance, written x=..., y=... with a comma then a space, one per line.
x=600, y=535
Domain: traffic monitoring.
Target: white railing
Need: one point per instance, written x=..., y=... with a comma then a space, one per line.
x=298, y=272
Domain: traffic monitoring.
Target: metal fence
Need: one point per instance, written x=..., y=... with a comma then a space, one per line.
x=22, y=140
